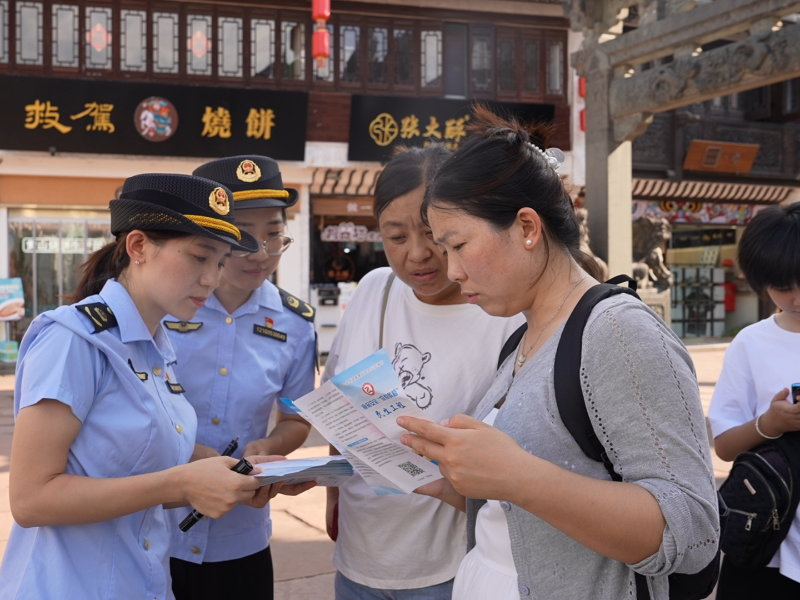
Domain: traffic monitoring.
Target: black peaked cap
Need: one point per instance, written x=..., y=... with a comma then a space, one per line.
x=255, y=181
x=166, y=202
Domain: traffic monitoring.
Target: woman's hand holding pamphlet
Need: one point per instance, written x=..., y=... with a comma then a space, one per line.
x=357, y=412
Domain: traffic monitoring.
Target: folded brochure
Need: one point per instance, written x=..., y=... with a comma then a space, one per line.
x=357, y=412
x=329, y=471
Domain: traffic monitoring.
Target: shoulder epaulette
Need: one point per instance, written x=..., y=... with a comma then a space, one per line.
x=100, y=314
x=182, y=326
x=304, y=309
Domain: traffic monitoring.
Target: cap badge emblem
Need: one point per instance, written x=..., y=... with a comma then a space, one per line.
x=248, y=171
x=218, y=201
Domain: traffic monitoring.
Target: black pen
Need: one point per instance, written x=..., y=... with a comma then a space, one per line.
x=231, y=447
x=195, y=515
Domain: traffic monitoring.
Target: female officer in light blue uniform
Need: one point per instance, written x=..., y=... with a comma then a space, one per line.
x=103, y=431
x=249, y=344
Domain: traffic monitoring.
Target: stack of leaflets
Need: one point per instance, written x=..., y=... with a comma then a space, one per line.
x=329, y=471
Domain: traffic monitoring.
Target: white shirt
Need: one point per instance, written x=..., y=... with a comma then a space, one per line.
x=446, y=358
x=761, y=361
x=488, y=570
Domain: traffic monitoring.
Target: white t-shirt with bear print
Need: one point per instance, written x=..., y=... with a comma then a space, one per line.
x=446, y=358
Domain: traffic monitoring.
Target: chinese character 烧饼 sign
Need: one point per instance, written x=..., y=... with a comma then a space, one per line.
x=72, y=115
x=379, y=123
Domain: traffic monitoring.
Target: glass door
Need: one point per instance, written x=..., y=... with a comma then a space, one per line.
x=47, y=253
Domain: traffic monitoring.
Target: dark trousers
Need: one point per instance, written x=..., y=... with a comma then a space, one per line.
x=761, y=583
x=249, y=577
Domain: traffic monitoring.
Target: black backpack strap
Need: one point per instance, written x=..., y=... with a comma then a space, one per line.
x=569, y=395
x=566, y=374
x=511, y=344
x=515, y=338
x=620, y=279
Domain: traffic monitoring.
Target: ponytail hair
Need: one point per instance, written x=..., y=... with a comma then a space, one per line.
x=110, y=261
x=496, y=172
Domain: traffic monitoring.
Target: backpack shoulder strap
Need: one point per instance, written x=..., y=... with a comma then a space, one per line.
x=566, y=374
x=511, y=344
x=386, y=291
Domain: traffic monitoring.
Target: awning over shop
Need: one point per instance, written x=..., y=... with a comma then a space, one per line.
x=347, y=181
x=661, y=190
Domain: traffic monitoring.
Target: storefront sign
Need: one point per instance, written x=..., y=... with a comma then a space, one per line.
x=349, y=232
x=696, y=212
x=380, y=123
x=72, y=115
x=52, y=245
x=703, y=236
x=343, y=207
x=12, y=301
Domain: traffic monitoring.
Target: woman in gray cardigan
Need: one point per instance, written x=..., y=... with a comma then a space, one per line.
x=555, y=526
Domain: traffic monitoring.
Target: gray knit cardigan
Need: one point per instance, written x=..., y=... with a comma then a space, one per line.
x=641, y=392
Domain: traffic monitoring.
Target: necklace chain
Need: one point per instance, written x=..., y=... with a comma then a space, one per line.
x=524, y=356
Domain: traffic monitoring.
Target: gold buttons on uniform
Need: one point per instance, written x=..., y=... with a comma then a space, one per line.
x=229, y=320
x=223, y=371
x=147, y=544
x=215, y=421
x=195, y=550
x=156, y=370
x=178, y=428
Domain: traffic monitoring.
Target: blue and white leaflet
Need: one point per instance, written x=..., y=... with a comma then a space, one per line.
x=357, y=413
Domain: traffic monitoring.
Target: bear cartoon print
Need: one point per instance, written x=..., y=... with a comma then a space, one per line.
x=408, y=363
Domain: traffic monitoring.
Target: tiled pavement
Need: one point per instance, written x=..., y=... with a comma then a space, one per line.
x=300, y=548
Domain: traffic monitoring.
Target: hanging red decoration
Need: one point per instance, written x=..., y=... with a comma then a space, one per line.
x=321, y=41
x=321, y=10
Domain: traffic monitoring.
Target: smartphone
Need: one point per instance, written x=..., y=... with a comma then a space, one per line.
x=795, y=393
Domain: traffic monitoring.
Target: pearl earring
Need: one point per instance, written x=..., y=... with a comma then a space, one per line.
x=529, y=243
x=137, y=262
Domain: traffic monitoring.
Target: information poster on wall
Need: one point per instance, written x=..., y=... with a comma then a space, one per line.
x=12, y=300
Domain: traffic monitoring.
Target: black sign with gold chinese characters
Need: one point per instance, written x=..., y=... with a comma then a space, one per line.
x=379, y=123
x=107, y=117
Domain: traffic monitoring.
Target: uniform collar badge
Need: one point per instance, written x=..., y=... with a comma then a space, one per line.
x=142, y=375
x=182, y=326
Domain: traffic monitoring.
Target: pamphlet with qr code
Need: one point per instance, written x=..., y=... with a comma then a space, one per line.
x=357, y=412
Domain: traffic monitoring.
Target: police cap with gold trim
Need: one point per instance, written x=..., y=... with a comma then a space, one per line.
x=255, y=181
x=166, y=202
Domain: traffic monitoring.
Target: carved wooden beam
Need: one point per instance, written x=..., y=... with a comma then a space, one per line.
x=698, y=26
x=759, y=60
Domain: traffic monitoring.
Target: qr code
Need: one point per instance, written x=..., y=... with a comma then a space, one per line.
x=411, y=469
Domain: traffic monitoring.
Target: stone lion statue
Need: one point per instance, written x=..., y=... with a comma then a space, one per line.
x=582, y=215
x=650, y=238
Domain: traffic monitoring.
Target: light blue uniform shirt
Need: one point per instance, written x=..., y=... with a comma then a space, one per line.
x=233, y=368
x=130, y=424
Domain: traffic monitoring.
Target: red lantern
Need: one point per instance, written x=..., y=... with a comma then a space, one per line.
x=321, y=10
x=321, y=41
x=321, y=46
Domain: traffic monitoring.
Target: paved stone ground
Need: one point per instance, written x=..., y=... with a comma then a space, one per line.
x=300, y=547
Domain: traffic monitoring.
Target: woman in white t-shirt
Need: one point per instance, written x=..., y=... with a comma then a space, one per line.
x=444, y=351
x=751, y=400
